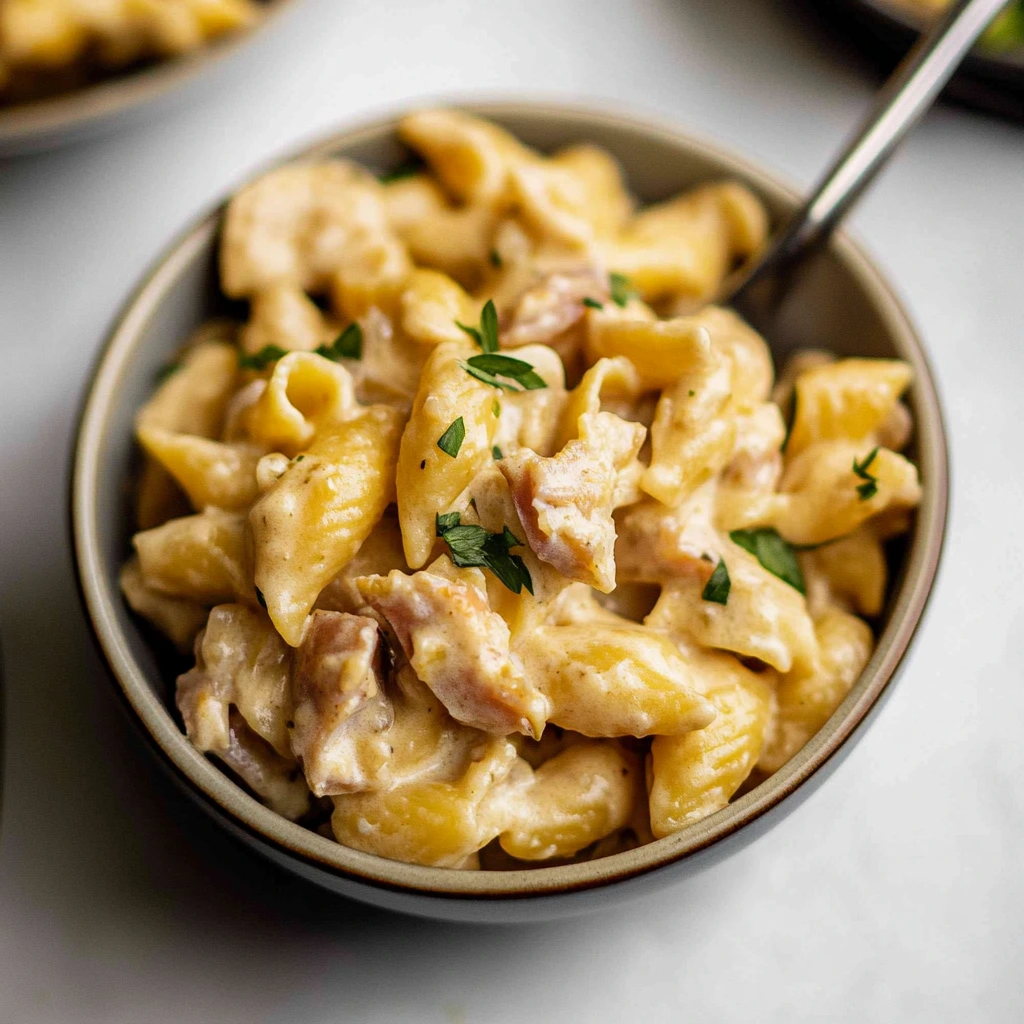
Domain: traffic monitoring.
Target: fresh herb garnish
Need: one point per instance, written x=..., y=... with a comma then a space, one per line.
x=620, y=289
x=262, y=359
x=774, y=552
x=445, y=522
x=496, y=407
x=451, y=440
x=487, y=378
x=489, y=366
x=789, y=425
x=473, y=546
x=486, y=335
x=593, y=303
x=259, y=597
x=167, y=370
x=299, y=458
x=496, y=453
x=406, y=170
x=347, y=345
x=718, y=586
x=495, y=257
x=869, y=488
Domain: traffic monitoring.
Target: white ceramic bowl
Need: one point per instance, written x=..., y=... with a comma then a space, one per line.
x=843, y=301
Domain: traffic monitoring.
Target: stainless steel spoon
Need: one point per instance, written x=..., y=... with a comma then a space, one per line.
x=757, y=289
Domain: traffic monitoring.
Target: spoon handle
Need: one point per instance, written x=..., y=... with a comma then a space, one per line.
x=909, y=92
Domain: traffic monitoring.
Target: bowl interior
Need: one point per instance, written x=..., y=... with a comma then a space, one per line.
x=841, y=303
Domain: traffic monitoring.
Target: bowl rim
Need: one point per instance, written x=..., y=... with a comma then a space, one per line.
x=224, y=797
x=22, y=124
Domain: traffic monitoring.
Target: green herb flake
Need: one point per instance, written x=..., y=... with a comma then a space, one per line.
x=620, y=289
x=260, y=598
x=407, y=170
x=473, y=332
x=486, y=335
x=496, y=453
x=299, y=458
x=448, y=521
x=451, y=440
x=496, y=408
x=487, y=378
x=692, y=392
x=347, y=345
x=592, y=303
x=718, y=586
x=474, y=547
x=495, y=257
x=869, y=488
x=492, y=365
x=262, y=359
x=167, y=370
x=774, y=553
x=789, y=425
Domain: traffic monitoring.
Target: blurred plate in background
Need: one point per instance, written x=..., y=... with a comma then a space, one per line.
x=114, y=102
x=992, y=78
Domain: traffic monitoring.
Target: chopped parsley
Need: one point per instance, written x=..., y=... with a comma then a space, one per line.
x=262, y=359
x=869, y=488
x=718, y=586
x=347, y=345
x=445, y=522
x=774, y=552
x=789, y=425
x=167, y=370
x=486, y=335
x=406, y=170
x=299, y=458
x=495, y=257
x=489, y=366
x=592, y=303
x=620, y=288
x=473, y=546
x=496, y=453
x=496, y=407
x=451, y=440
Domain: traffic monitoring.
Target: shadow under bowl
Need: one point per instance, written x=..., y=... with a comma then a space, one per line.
x=122, y=98
x=841, y=302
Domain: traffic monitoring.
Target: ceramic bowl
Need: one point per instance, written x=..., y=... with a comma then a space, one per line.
x=842, y=301
x=120, y=99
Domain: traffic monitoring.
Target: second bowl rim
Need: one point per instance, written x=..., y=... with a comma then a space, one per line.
x=22, y=124
x=228, y=800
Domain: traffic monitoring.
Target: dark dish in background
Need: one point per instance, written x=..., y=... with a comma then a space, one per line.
x=991, y=78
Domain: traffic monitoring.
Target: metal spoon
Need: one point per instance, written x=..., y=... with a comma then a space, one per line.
x=757, y=289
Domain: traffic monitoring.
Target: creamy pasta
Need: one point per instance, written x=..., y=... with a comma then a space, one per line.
x=495, y=543
x=47, y=46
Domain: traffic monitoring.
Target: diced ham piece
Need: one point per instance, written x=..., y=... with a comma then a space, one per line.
x=565, y=502
x=341, y=709
x=460, y=649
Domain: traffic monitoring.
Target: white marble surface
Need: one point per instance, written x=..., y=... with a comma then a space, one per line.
x=894, y=894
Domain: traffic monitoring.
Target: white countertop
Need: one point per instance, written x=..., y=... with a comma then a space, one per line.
x=894, y=894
